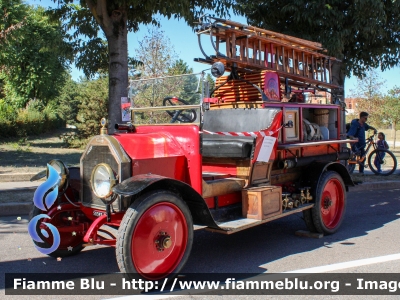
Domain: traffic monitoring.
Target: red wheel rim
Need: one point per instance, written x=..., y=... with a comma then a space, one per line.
x=332, y=203
x=159, y=240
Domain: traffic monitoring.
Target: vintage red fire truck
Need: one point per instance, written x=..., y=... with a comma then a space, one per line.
x=261, y=146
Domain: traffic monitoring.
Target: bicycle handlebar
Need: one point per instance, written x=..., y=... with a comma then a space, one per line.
x=370, y=137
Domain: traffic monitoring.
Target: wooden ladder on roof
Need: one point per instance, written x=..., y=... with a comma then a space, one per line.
x=300, y=61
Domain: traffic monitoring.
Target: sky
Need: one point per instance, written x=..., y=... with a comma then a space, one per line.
x=185, y=43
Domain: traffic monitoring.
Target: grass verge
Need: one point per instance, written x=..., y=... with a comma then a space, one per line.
x=31, y=154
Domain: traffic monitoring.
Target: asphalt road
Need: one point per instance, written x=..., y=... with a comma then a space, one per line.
x=370, y=231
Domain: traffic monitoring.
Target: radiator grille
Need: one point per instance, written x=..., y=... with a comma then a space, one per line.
x=96, y=155
x=103, y=149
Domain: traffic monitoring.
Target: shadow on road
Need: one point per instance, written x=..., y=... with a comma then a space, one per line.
x=213, y=252
x=101, y=260
x=244, y=251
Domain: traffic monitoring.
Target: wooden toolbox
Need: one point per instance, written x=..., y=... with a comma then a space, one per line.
x=262, y=202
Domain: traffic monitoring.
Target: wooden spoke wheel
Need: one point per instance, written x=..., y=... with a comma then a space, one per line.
x=155, y=237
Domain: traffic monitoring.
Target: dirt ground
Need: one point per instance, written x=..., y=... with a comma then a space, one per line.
x=30, y=155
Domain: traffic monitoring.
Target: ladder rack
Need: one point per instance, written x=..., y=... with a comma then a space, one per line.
x=248, y=47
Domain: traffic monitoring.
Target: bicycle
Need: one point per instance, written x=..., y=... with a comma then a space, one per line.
x=383, y=157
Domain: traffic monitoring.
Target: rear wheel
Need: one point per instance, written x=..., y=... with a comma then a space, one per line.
x=307, y=216
x=330, y=203
x=155, y=237
x=382, y=162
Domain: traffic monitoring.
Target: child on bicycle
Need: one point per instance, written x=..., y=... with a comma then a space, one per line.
x=382, y=144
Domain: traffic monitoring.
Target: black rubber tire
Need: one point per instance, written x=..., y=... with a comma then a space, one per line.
x=307, y=217
x=316, y=211
x=131, y=218
x=59, y=252
x=389, y=156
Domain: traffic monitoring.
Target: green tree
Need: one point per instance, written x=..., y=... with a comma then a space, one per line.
x=363, y=34
x=68, y=100
x=370, y=98
x=34, y=55
x=391, y=109
x=156, y=53
x=191, y=89
x=211, y=82
x=179, y=67
x=92, y=97
x=11, y=19
x=188, y=84
x=115, y=19
x=159, y=60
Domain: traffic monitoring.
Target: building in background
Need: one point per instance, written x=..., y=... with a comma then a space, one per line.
x=320, y=97
x=351, y=105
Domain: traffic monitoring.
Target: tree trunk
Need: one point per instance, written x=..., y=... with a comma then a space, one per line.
x=338, y=78
x=118, y=75
x=114, y=24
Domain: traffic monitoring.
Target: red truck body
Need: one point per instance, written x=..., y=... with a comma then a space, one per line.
x=249, y=158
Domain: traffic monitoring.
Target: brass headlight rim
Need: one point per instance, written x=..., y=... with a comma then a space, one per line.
x=113, y=180
x=64, y=171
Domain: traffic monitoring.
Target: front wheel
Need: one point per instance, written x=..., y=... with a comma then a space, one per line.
x=382, y=162
x=71, y=241
x=330, y=203
x=155, y=237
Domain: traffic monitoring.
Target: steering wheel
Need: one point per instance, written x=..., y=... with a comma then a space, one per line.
x=184, y=116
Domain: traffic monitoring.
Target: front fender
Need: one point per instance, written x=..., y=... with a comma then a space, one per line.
x=142, y=183
x=136, y=184
x=315, y=170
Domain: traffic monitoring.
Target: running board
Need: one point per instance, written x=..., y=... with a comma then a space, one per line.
x=244, y=223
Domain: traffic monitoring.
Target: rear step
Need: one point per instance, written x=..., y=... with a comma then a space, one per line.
x=244, y=223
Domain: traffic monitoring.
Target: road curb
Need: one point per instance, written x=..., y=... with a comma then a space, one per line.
x=378, y=185
x=15, y=209
x=14, y=177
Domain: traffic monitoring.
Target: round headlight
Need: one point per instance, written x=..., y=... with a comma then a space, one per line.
x=103, y=179
x=61, y=169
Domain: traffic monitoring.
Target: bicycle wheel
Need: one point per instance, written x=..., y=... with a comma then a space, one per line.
x=382, y=162
x=351, y=168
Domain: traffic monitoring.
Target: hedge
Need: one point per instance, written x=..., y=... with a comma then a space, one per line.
x=29, y=122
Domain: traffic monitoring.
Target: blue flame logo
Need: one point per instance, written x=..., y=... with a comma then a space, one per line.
x=45, y=196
